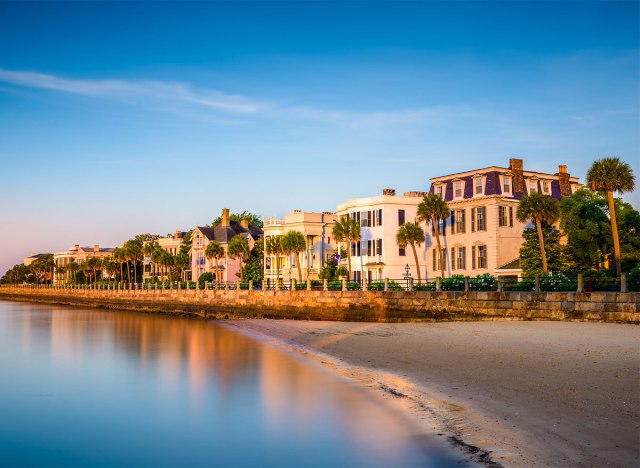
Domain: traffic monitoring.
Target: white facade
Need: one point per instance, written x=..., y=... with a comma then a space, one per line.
x=377, y=255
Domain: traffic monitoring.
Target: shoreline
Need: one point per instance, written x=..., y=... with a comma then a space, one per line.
x=487, y=423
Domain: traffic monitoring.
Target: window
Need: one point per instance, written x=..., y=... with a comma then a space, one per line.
x=364, y=247
x=364, y=219
x=436, y=259
x=461, y=260
x=401, y=252
x=506, y=185
x=379, y=246
x=378, y=220
x=460, y=221
x=477, y=182
x=453, y=257
x=439, y=191
x=473, y=220
x=481, y=218
x=458, y=189
x=511, y=216
x=533, y=186
x=355, y=249
x=482, y=256
x=545, y=187
x=400, y=217
x=502, y=216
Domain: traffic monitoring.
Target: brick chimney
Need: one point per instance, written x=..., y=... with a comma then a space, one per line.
x=177, y=234
x=96, y=248
x=244, y=223
x=389, y=191
x=225, y=217
x=563, y=179
x=516, y=168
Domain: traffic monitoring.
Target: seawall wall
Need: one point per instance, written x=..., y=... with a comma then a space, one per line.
x=366, y=306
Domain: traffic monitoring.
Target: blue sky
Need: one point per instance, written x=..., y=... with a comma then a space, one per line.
x=124, y=117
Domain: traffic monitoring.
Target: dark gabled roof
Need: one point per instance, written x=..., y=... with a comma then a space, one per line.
x=223, y=234
x=36, y=255
x=512, y=265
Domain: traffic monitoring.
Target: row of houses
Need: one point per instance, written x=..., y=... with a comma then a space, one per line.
x=481, y=235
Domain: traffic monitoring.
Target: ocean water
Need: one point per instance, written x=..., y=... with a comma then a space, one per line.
x=83, y=387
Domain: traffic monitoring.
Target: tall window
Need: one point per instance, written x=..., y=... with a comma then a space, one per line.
x=400, y=217
x=378, y=246
x=440, y=191
x=458, y=189
x=533, y=186
x=482, y=256
x=502, y=216
x=402, y=252
x=506, y=184
x=460, y=221
x=511, y=216
x=453, y=258
x=461, y=258
x=481, y=218
x=436, y=259
x=478, y=185
x=364, y=219
x=546, y=187
x=378, y=218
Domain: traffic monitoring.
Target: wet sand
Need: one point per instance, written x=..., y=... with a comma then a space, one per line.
x=508, y=393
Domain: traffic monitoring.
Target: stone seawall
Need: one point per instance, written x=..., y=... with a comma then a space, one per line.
x=366, y=306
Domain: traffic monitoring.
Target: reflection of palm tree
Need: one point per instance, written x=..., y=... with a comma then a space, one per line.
x=539, y=208
x=612, y=175
x=432, y=208
x=411, y=234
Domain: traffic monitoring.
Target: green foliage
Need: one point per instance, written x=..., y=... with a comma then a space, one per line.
x=238, y=249
x=484, y=282
x=455, y=283
x=538, y=207
x=633, y=281
x=16, y=275
x=379, y=286
x=611, y=175
x=254, y=219
x=42, y=267
x=329, y=270
x=531, y=259
x=185, y=245
x=253, y=269
x=206, y=277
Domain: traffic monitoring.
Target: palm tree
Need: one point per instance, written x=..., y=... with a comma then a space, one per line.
x=347, y=230
x=133, y=252
x=149, y=247
x=92, y=265
x=432, y=208
x=539, y=208
x=274, y=247
x=411, y=234
x=181, y=261
x=215, y=251
x=238, y=249
x=111, y=267
x=167, y=260
x=612, y=175
x=120, y=257
x=73, y=268
x=293, y=242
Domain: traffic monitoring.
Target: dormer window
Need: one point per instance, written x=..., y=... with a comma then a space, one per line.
x=440, y=191
x=457, y=189
x=478, y=188
x=546, y=187
x=506, y=184
x=533, y=185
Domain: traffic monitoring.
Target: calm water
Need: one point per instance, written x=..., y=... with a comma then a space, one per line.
x=85, y=387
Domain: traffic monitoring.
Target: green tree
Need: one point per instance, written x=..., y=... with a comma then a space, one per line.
x=413, y=235
x=254, y=268
x=181, y=262
x=432, y=208
x=134, y=253
x=215, y=251
x=531, y=254
x=74, y=267
x=185, y=245
x=539, y=208
x=347, y=230
x=254, y=219
x=274, y=247
x=41, y=266
x=293, y=243
x=111, y=267
x=120, y=256
x=238, y=249
x=92, y=265
x=609, y=175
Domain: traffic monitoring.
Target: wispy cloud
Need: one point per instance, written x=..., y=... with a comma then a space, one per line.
x=215, y=100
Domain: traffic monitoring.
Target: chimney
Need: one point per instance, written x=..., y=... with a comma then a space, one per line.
x=96, y=248
x=244, y=223
x=515, y=166
x=177, y=235
x=76, y=247
x=563, y=179
x=225, y=217
x=389, y=191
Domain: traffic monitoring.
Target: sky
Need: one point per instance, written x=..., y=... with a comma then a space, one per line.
x=119, y=118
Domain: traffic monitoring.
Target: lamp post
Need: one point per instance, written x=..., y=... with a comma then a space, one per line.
x=407, y=274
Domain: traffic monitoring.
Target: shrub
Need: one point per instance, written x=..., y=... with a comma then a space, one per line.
x=633, y=279
x=379, y=286
x=455, y=283
x=484, y=282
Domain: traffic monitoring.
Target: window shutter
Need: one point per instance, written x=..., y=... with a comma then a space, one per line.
x=473, y=257
x=434, y=259
x=511, y=216
x=453, y=258
x=453, y=222
x=473, y=220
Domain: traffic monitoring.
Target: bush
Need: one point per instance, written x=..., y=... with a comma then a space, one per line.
x=379, y=286
x=455, y=283
x=633, y=279
x=527, y=284
x=425, y=286
x=484, y=282
x=558, y=282
x=206, y=277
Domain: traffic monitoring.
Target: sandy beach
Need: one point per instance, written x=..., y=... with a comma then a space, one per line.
x=509, y=393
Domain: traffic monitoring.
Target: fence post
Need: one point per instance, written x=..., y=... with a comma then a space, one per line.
x=250, y=285
x=438, y=284
x=536, y=287
x=386, y=284
x=623, y=283
x=325, y=284
x=500, y=286
x=344, y=284
x=264, y=284
x=466, y=284
x=580, y=287
x=277, y=285
x=410, y=283
x=308, y=284
x=293, y=284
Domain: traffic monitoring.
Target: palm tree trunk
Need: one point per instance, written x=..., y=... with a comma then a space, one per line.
x=135, y=271
x=349, y=258
x=128, y=272
x=415, y=255
x=614, y=233
x=299, y=267
x=543, y=253
x=440, y=252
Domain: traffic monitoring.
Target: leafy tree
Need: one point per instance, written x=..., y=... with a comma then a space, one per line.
x=134, y=253
x=539, y=208
x=411, y=234
x=185, y=245
x=120, y=256
x=41, y=266
x=433, y=208
x=293, y=243
x=274, y=247
x=238, y=249
x=74, y=267
x=215, y=251
x=253, y=270
x=329, y=270
x=111, y=267
x=181, y=262
x=16, y=274
x=205, y=277
x=531, y=253
x=347, y=230
x=610, y=175
x=91, y=266
x=254, y=219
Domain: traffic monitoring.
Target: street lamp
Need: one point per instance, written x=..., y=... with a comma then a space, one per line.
x=407, y=274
